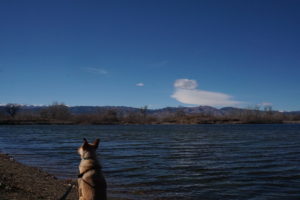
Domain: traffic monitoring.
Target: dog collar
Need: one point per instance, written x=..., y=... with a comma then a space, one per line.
x=88, y=158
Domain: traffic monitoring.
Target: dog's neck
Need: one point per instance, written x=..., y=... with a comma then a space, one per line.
x=89, y=163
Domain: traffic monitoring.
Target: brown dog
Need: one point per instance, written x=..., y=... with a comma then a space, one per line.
x=91, y=181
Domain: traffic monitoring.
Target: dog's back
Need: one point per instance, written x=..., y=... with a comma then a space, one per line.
x=91, y=181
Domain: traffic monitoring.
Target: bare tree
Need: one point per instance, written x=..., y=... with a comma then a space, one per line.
x=57, y=111
x=110, y=117
x=12, y=109
x=143, y=111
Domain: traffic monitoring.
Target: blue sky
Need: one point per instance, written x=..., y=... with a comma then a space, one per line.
x=155, y=53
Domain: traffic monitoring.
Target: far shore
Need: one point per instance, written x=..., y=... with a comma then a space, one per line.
x=60, y=114
x=27, y=122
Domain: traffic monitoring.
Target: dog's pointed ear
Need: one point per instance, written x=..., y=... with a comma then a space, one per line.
x=96, y=143
x=85, y=142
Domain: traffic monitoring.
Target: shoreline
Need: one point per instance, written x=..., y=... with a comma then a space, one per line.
x=22, y=182
x=105, y=124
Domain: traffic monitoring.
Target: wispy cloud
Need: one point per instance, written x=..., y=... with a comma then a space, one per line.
x=140, y=84
x=159, y=64
x=95, y=70
x=265, y=104
x=186, y=92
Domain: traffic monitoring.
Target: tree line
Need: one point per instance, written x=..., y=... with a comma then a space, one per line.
x=59, y=113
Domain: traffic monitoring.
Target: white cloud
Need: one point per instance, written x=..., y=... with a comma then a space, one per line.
x=185, y=84
x=96, y=70
x=186, y=92
x=140, y=84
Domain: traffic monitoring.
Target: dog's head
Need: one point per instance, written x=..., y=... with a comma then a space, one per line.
x=87, y=150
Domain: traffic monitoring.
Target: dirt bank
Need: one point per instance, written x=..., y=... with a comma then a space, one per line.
x=20, y=182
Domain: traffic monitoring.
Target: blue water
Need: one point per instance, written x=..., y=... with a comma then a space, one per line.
x=171, y=161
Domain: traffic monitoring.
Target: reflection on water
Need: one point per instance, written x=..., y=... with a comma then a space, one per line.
x=172, y=161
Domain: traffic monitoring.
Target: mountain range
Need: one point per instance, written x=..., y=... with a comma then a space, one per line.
x=206, y=110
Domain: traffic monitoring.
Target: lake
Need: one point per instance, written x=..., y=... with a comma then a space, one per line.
x=171, y=161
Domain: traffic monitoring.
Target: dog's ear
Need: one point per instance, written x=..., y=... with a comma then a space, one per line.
x=96, y=143
x=85, y=143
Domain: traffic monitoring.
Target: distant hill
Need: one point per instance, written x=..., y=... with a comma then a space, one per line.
x=61, y=114
x=123, y=110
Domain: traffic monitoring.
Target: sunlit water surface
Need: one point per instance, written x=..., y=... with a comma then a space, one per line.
x=171, y=161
